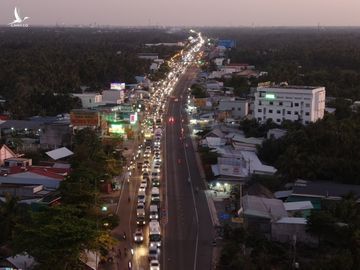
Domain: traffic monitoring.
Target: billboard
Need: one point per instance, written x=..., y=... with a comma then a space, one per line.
x=117, y=128
x=227, y=43
x=84, y=118
x=117, y=86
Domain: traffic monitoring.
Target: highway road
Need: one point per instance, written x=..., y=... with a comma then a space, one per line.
x=188, y=231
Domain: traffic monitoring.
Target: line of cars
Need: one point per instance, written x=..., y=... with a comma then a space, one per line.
x=149, y=195
x=148, y=199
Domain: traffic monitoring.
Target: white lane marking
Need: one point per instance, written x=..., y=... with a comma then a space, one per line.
x=195, y=206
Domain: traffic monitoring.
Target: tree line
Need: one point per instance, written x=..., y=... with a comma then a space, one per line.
x=38, y=62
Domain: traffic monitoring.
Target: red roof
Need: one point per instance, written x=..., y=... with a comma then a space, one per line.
x=56, y=173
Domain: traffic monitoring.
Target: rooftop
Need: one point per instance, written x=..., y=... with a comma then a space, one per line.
x=299, y=87
x=324, y=189
x=49, y=172
x=263, y=207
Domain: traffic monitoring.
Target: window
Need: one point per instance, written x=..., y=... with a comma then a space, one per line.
x=307, y=113
x=278, y=120
x=278, y=111
x=271, y=103
x=270, y=111
x=259, y=110
x=307, y=122
x=239, y=109
x=296, y=104
x=260, y=103
x=89, y=100
x=307, y=105
x=259, y=118
x=280, y=103
x=296, y=113
x=233, y=109
x=288, y=112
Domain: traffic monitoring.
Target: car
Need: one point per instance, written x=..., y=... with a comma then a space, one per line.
x=155, y=182
x=157, y=159
x=147, y=154
x=140, y=220
x=154, y=212
x=140, y=209
x=147, y=162
x=171, y=120
x=157, y=163
x=142, y=187
x=154, y=253
x=154, y=265
x=145, y=174
x=141, y=198
x=155, y=174
x=155, y=195
x=145, y=168
x=156, y=168
x=144, y=182
x=138, y=236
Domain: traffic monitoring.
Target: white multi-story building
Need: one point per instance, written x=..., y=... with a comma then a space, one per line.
x=286, y=102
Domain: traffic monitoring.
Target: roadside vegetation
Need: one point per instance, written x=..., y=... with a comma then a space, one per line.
x=62, y=233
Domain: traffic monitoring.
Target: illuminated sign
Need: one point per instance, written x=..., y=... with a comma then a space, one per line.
x=270, y=96
x=116, y=128
x=133, y=118
x=117, y=86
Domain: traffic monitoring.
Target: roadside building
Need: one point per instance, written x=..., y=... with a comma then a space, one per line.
x=55, y=134
x=48, y=177
x=285, y=102
x=113, y=96
x=259, y=213
x=316, y=191
x=6, y=153
x=234, y=108
x=89, y=100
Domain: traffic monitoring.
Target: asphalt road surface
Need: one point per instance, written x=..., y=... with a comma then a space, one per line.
x=188, y=230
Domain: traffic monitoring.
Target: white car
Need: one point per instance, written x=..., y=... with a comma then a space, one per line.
x=154, y=265
x=143, y=187
x=157, y=159
x=138, y=236
x=143, y=183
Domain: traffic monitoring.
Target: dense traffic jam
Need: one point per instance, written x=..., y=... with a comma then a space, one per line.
x=149, y=160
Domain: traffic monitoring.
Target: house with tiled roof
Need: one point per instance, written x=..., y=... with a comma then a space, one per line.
x=48, y=177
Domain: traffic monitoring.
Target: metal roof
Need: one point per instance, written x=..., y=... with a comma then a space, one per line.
x=59, y=153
